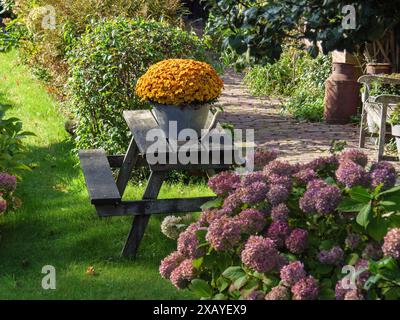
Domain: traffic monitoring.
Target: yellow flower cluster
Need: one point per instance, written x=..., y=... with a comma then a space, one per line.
x=179, y=81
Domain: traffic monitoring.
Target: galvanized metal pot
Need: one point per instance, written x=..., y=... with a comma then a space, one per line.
x=186, y=116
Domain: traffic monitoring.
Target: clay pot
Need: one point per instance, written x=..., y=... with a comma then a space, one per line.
x=341, y=94
x=379, y=68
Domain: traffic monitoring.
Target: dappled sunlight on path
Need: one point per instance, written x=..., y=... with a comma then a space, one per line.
x=296, y=141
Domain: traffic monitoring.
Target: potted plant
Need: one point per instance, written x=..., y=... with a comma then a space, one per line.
x=394, y=120
x=180, y=90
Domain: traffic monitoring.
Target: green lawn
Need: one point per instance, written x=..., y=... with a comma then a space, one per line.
x=57, y=225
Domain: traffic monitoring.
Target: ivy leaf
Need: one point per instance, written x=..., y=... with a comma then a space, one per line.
x=200, y=288
x=365, y=215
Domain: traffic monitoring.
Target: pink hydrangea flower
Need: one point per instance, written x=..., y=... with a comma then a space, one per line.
x=169, y=263
x=333, y=256
x=254, y=193
x=183, y=274
x=280, y=212
x=292, y=273
x=263, y=157
x=280, y=168
x=188, y=242
x=278, y=293
x=252, y=177
x=277, y=194
x=305, y=176
x=305, y=289
x=223, y=234
x=351, y=174
x=278, y=231
x=8, y=183
x=224, y=183
x=3, y=205
x=296, y=242
x=259, y=254
x=354, y=294
x=391, y=244
x=354, y=155
x=232, y=202
x=251, y=220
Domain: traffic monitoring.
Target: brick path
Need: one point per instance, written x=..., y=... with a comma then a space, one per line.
x=296, y=141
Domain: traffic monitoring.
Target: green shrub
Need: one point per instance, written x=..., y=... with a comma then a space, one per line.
x=297, y=77
x=45, y=50
x=11, y=146
x=105, y=65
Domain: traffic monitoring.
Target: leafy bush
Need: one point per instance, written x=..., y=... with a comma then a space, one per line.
x=8, y=184
x=292, y=231
x=297, y=77
x=45, y=49
x=11, y=146
x=105, y=66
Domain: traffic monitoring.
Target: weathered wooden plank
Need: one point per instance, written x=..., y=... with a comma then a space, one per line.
x=152, y=206
x=140, y=221
x=98, y=176
x=140, y=122
x=117, y=160
x=387, y=99
x=384, y=79
x=128, y=164
x=382, y=132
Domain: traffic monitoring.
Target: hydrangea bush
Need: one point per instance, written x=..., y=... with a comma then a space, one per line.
x=327, y=229
x=8, y=184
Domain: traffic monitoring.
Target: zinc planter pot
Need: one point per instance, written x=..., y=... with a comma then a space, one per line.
x=396, y=134
x=186, y=117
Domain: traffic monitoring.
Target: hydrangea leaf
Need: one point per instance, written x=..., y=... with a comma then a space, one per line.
x=222, y=283
x=377, y=228
x=350, y=205
x=360, y=194
x=233, y=273
x=198, y=262
x=216, y=203
x=365, y=215
x=220, y=296
x=239, y=283
x=201, y=288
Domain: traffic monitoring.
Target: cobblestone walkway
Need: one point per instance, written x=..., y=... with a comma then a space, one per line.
x=296, y=141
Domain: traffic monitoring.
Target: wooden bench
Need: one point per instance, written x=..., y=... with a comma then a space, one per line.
x=379, y=105
x=106, y=192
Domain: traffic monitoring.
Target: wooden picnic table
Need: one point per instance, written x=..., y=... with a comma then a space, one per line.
x=106, y=192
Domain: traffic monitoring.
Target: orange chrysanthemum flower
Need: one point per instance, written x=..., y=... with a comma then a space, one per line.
x=179, y=81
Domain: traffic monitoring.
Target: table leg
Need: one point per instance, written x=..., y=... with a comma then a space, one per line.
x=382, y=132
x=140, y=222
x=363, y=127
x=130, y=159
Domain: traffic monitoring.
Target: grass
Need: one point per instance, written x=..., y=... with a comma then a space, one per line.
x=57, y=225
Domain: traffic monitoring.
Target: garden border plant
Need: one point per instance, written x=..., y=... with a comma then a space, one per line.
x=286, y=232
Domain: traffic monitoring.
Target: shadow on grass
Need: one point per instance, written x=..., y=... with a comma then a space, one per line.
x=57, y=224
